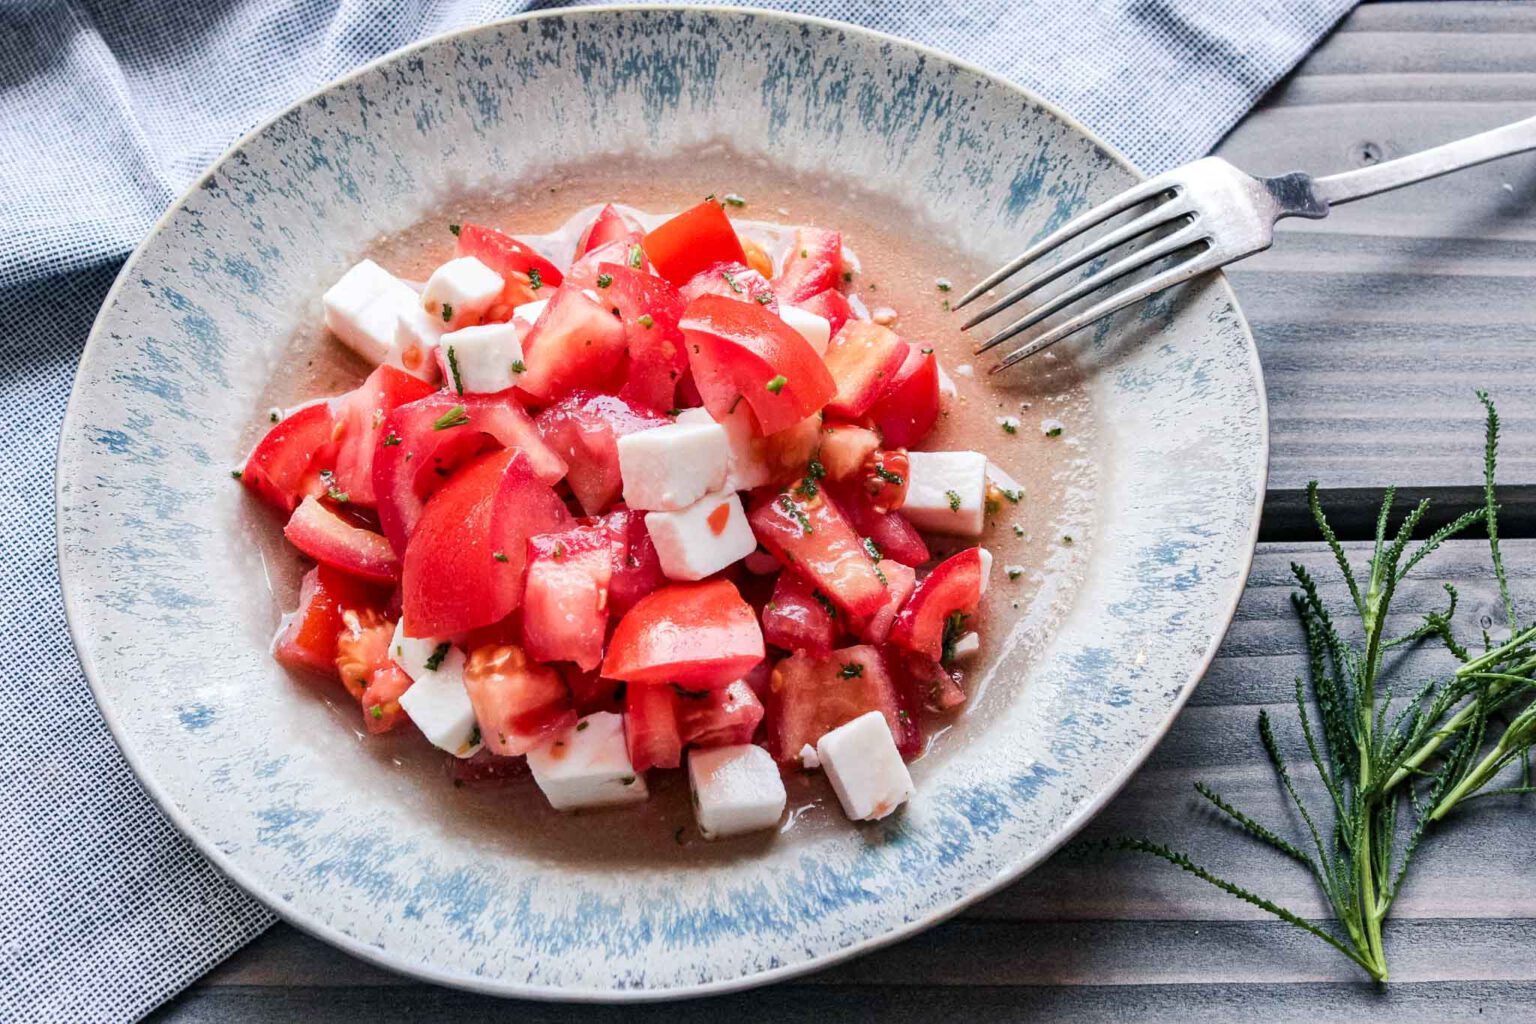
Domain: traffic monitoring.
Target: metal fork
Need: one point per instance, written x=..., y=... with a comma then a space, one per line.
x=1225, y=215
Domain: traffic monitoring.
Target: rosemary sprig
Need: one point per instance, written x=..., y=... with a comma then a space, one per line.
x=1389, y=773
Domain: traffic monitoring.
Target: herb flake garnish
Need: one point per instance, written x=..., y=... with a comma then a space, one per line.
x=852, y=670
x=455, y=417
x=438, y=654
x=953, y=498
x=453, y=369
x=535, y=279
x=447, y=311
x=777, y=384
x=604, y=280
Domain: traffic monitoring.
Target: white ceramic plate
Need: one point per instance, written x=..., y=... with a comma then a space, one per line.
x=166, y=590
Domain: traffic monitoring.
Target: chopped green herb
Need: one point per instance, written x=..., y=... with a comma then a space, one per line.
x=377, y=712
x=518, y=366
x=944, y=305
x=1012, y=495
x=927, y=351
x=559, y=551
x=847, y=275
x=237, y=473
x=1067, y=540
x=1018, y=531
x=500, y=556
x=777, y=384
x=788, y=505
x=730, y=280
x=453, y=370
x=474, y=737
x=1052, y=431
x=272, y=416
x=647, y=321
x=636, y=256
x=391, y=439
x=732, y=199
x=336, y=494
x=852, y=670
x=455, y=417
x=582, y=725
x=805, y=254
x=887, y=475
x=954, y=629
x=807, y=488
x=438, y=654
x=825, y=602
x=628, y=780
x=687, y=694
x=902, y=715
x=815, y=470
x=454, y=229
x=447, y=311
x=954, y=500
x=674, y=413
x=880, y=575
x=535, y=279
x=1014, y=572
x=763, y=298
x=942, y=284
x=604, y=280
x=872, y=549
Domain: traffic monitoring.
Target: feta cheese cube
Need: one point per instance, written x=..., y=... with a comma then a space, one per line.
x=587, y=765
x=864, y=767
x=412, y=653
x=363, y=307
x=460, y=291
x=966, y=646
x=946, y=492
x=814, y=329
x=486, y=357
x=703, y=538
x=529, y=312
x=416, y=339
x=671, y=467
x=745, y=467
x=735, y=789
x=437, y=701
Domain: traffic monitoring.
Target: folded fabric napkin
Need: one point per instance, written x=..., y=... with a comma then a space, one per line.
x=108, y=109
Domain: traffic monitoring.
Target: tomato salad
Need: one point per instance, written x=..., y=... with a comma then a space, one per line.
x=664, y=503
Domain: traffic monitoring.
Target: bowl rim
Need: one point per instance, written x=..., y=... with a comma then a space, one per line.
x=1015, y=870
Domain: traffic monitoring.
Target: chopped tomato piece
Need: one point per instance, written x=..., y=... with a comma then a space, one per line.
x=584, y=428
x=528, y=275
x=908, y=408
x=649, y=308
x=693, y=240
x=739, y=350
x=809, y=697
x=307, y=637
x=814, y=265
x=810, y=535
x=362, y=649
x=636, y=566
x=626, y=251
x=935, y=616
x=381, y=700
x=799, y=617
x=360, y=419
x=844, y=447
x=326, y=537
x=900, y=582
x=282, y=468
x=923, y=682
x=590, y=692
x=787, y=454
x=484, y=767
x=578, y=342
x=464, y=565
x=650, y=727
x=862, y=358
x=517, y=701
x=893, y=535
x=609, y=226
x=693, y=634
x=426, y=440
x=565, y=597
x=718, y=718
x=831, y=305
x=886, y=475
x=734, y=281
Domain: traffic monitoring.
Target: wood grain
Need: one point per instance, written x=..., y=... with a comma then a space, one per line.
x=1375, y=326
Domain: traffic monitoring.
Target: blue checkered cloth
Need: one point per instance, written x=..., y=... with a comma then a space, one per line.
x=108, y=109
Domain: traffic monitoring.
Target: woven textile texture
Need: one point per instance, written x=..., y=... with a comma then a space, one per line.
x=108, y=110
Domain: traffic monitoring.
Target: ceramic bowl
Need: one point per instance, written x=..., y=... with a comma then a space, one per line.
x=167, y=593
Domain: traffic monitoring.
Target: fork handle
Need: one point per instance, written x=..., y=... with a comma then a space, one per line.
x=1453, y=156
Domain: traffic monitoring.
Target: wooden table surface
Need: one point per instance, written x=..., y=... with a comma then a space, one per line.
x=1374, y=327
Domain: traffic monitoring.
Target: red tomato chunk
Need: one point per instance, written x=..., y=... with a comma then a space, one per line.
x=809, y=697
x=700, y=635
x=565, y=598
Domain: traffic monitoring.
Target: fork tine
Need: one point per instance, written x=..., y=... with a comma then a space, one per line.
x=1135, y=261
x=1175, y=275
x=1105, y=210
x=1165, y=213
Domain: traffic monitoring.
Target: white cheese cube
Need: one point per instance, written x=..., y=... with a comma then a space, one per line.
x=529, y=312
x=735, y=789
x=745, y=467
x=437, y=701
x=460, y=291
x=814, y=329
x=864, y=767
x=587, y=765
x=966, y=646
x=412, y=653
x=703, y=538
x=416, y=339
x=363, y=307
x=671, y=467
x=946, y=492
x=486, y=357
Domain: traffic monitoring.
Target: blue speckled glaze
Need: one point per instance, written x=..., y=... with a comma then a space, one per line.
x=160, y=567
